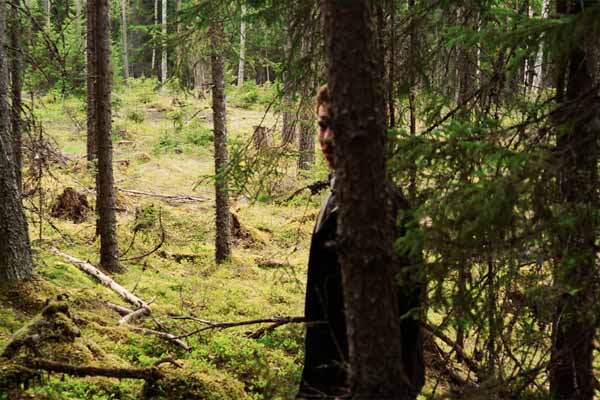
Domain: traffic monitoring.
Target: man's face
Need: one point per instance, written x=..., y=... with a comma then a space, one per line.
x=326, y=134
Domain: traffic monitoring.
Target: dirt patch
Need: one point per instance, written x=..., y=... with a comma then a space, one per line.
x=71, y=205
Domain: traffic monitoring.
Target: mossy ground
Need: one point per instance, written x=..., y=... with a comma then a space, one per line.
x=163, y=144
x=166, y=140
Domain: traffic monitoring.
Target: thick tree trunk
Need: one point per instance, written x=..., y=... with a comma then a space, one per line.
x=91, y=79
x=179, y=48
x=223, y=216
x=163, y=63
x=124, y=37
x=15, y=253
x=364, y=236
x=574, y=326
x=240, y=77
x=16, y=87
x=105, y=201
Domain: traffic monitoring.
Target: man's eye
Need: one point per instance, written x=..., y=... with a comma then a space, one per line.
x=323, y=125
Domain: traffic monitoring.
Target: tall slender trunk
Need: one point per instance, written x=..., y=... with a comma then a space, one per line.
x=223, y=217
x=306, y=134
x=15, y=254
x=179, y=48
x=288, y=132
x=163, y=63
x=16, y=88
x=240, y=77
x=365, y=254
x=91, y=79
x=539, y=58
x=105, y=200
x=124, y=37
x=574, y=326
x=154, y=38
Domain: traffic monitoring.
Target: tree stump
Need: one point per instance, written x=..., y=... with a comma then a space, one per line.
x=262, y=137
x=71, y=205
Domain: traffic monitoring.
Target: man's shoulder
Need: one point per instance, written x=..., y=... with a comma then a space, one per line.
x=399, y=201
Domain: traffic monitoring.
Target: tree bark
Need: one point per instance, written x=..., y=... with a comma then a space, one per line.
x=365, y=222
x=240, y=77
x=91, y=79
x=163, y=63
x=223, y=216
x=154, y=35
x=16, y=87
x=306, y=126
x=124, y=37
x=105, y=200
x=15, y=254
x=575, y=322
x=288, y=132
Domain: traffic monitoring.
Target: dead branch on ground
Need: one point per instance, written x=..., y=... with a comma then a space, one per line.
x=224, y=325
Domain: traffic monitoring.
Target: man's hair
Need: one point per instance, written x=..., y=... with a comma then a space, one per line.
x=323, y=96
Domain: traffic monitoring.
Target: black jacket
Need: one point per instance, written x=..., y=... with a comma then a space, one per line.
x=326, y=346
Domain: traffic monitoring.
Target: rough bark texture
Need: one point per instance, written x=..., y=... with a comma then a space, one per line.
x=365, y=225
x=16, y=87
x=124, y=37
x=574, y=327
x=91, y=79
x=15, y=254
x=306, y=125
x=223, y=217
x=163, y=63
x=105, y=201
x=288, y=132
x=240, y=79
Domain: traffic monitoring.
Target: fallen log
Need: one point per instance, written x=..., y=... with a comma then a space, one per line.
x=102, y=277
x=174, y=197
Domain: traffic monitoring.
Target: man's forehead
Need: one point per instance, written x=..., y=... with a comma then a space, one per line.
x=323, y=111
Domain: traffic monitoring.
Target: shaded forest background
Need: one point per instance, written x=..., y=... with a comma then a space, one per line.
x=204, y=216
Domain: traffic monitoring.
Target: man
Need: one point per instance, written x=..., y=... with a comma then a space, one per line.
x=326, y=346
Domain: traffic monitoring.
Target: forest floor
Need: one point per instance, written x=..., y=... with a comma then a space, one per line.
x=163, y=145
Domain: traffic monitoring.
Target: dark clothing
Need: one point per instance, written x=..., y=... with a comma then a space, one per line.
x=326, y=346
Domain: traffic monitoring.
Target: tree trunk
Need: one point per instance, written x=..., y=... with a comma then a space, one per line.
x=105, y=201
x=154, y=36
x=306, y=134
x=124, y=37
x=223, y=216
x=240, y=78
x=163, y=63
x=178, y=52
x=538, y=80
x=288, y=132
x=16, y=87
x=365, y=223
x=574, y=326
x=15, y=253
x=91, y=78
